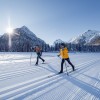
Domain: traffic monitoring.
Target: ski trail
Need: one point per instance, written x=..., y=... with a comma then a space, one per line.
x=28, y=87
x=22, y=72
x=24, y=90
x=83, y=84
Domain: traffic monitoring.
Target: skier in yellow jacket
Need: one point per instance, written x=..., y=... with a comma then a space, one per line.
x=64, y=54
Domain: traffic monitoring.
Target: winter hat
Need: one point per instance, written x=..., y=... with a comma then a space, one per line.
x=63, y=44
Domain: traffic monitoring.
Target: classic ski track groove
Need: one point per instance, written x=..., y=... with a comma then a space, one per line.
x=23, y=86
x=30, y=70
x=32, y=86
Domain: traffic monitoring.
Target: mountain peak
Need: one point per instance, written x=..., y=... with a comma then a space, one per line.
x=24, y=28
x=92, y=31
x=58, y=41
x=22, y=39
x=86, y=37
x=27, y=31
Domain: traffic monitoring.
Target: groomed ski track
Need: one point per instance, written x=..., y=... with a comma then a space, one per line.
x=20, y=81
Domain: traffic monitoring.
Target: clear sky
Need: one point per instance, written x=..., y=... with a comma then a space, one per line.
x=51, y=19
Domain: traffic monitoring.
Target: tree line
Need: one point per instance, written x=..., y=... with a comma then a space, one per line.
x=78, y=47
x=19, y=46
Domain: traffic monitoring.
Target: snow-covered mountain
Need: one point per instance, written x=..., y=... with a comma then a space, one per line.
x=58, y=41
x=29, y=34
x=22, y=39
x=90, y=37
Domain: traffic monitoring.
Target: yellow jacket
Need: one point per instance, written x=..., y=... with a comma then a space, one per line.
x=64, y=53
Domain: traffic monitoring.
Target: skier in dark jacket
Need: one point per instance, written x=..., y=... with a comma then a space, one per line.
x=38, y=50
x=64, y=54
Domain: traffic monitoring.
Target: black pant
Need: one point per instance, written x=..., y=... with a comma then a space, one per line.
x=68, y=60
x=39, y=57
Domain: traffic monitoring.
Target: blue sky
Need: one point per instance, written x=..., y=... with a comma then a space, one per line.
x=51, y=19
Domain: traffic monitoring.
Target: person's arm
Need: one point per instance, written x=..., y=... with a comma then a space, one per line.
x=34, y=49
x=59, y=53
x=40, y=50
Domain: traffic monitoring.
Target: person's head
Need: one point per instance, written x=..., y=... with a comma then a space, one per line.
x=62, y=45
x=37, y=46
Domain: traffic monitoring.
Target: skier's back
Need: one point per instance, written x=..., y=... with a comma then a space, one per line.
x=38, y=50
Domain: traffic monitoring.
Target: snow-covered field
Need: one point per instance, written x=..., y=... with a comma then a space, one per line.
x=20, y=80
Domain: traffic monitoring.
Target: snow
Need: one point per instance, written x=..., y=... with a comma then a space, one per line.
x=71, y=40
x=21, y=81
x=24, y=28
x=87, y=37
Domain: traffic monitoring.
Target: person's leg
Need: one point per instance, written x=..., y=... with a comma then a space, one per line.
x=37, y=60
x=68, y=60
x=39, y=55
x=41, y=58
x=63, y=60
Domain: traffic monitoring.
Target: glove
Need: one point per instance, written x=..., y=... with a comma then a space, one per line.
x=58, y=55
x=32, y=48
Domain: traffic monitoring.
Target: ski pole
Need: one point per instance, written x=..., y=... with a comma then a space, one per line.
x=30, y=58
x=66, y=67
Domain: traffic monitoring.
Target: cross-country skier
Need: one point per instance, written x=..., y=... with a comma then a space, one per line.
x=38, y=51
x=64, y=54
